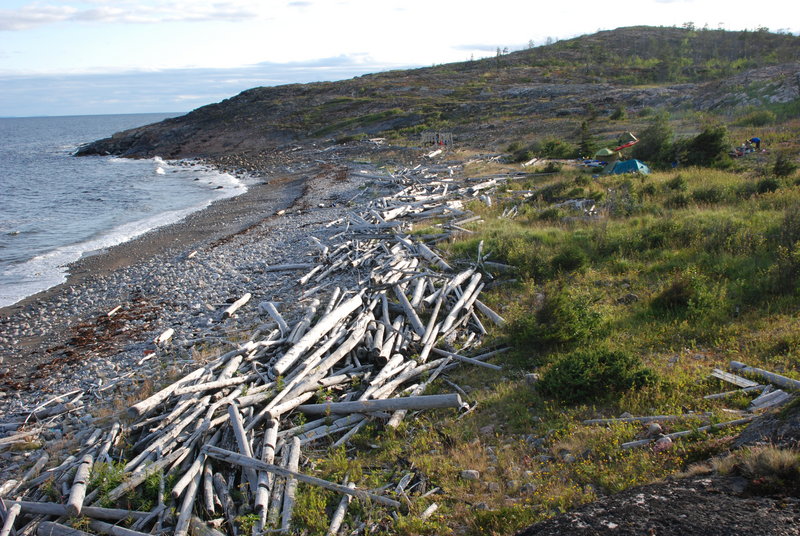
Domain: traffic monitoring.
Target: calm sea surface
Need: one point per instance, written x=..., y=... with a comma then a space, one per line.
x=54, y=207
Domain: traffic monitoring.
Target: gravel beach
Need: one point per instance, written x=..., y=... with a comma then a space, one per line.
x=64, y=342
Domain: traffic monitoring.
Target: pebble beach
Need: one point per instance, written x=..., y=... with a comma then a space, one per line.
x=88, y=345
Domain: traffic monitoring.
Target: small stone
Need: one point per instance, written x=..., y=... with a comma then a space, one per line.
x=492, y=487
x=470, y=474
x=487, y=430
x=513, y=485
x=532, y=379
x=653, y=429
x=528, y=488
x=662, y=444
x=481, y=506
x=625, y=415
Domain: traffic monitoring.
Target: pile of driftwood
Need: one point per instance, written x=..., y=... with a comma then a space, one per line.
x=768, y=397
x=229, y=435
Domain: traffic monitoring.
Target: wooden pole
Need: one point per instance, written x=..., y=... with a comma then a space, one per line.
x=78, y=493
x=390, y=404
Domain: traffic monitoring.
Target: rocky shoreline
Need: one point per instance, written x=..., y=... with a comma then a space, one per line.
x=89, y=342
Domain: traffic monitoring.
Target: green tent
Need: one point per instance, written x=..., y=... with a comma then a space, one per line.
x=628, y=166
x=604, y=152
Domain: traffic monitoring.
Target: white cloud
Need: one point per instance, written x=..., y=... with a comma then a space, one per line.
x=32, y=16
x=125, y=11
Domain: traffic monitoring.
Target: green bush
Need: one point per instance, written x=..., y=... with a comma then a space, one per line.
x=571, y=258
x=679, y=200
x=784, y=165
x=689, y=292
x=655, y=142
x=756, y=118
x=769, y=184
x=678, y=183
x=784, y=275
x=710, y=195
x=619, y=114
x=563, y=319
x=708, y=148
x=591, y=374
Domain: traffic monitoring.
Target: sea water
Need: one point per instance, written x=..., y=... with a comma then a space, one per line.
x=55, y=208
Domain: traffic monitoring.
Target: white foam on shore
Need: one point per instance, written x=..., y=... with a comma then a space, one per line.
x=50, y=269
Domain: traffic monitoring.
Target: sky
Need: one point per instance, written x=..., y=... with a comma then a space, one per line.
x=73, y=57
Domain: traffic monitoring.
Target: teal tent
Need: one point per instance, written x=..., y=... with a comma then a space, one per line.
x=628, y=166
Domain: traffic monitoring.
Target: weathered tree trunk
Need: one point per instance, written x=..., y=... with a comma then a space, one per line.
x=391, y=404
x=78, y=493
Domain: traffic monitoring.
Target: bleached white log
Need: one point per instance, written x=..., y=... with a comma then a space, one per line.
x=208, y=490
x=143, y=407
x=302, y=326
x=287, y=267
x=270, y=308
x=338, y=515
x=218, y=384
x=432, y=257
x=78, y=492
x=50, y=528
x=456, y=309
x=96, y=512
x=265, y=478
x=115, y=530
x=491, y=315
x=244, y=444
x=238, y=459
x=733, y=378
x=411, y=314
x=235, y=306
x=326, y=324
x=327, y=429
x=185, y=513
x=198, y=528
x=399, y=414
x=165, y=336
x=228, y=507
x=11, y=516
x=466, y=359
x=777, y=379
x=391, y=404
x=646, y=419
x=291, y=484
x=105, y=447
x=726, y=394
x=675, y=435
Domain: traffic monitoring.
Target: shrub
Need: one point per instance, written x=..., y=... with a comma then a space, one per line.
x=784, y=165
x=710, y=195
x=570, y=259
x=756, y=118
x=678, y=183
x=784, y=275
x=618, y=114
x=564, y=318
x=679, y=200
x=586, y=375
x=710, y=147
x=769, y=184
x=688, y=292
x=655, y=142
